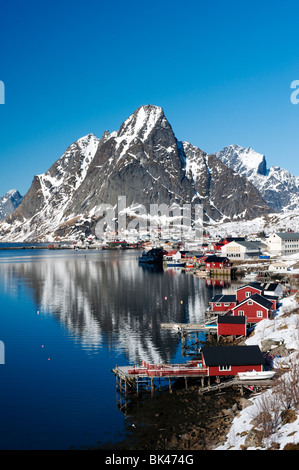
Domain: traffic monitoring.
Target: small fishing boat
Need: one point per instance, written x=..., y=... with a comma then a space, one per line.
x=175, y=264
x=256, y=375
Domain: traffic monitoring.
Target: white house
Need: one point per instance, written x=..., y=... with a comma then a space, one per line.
x=241, y=250
x=284, y=243
x=278, y=267
x=272, y=289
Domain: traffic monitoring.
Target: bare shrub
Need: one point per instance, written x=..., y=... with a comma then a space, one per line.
x=267, y=417
x=287, y=387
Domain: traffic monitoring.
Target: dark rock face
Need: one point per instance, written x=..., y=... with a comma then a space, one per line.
x=9, y=202
x=142, y=161
x=225, y=194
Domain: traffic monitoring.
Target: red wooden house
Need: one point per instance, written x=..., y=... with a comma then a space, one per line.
x=217, y=262
x=248, y=290
x=255, y=308
x=223, y=303
x=228, y=325
x=230, y=360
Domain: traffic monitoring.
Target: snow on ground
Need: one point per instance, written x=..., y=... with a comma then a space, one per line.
x=283, y=328
x=271, y=223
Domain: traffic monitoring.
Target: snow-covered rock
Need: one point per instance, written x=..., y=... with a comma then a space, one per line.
x=9, y=202
x=279, y=187
x=142, y=161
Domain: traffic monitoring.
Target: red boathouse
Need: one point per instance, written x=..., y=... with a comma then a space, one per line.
x=228, y=325
x=230, y=360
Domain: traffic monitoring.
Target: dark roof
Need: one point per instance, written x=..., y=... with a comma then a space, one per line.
x=255, y=285
x=217, y=259
x=224, y=298
x=288, y=235
x=269, y=286
x=271, y=297
x=231, y=319
x=232, y=355
x=234, y=239
x=259, y=299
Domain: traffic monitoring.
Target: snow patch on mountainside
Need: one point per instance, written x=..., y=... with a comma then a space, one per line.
x=138, y=125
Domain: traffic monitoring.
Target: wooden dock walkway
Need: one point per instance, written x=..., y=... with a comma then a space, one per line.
x=130, y=385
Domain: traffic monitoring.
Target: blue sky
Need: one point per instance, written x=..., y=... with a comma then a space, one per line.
x=222, y=72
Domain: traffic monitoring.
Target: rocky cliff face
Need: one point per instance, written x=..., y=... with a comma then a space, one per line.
x=142, y=161
x=9, y=202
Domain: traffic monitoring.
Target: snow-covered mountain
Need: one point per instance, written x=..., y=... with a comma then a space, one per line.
x=143, y=161
x=279, y=187
x=9, y=202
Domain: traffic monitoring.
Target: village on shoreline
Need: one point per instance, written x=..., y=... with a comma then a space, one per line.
x=267, y=303
x=263, y=312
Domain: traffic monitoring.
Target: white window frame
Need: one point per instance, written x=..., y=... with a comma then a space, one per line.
x=225, y=368
x=241, y=313
x=259, y=313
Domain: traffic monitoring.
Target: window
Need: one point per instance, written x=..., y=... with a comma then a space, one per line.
x=241, y=313
x=259, y=313
x=249, y=302
x=218, y=304
x=247, y=294
x=226, y=305
x=224, y=368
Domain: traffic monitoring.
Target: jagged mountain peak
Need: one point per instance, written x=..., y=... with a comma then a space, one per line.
x=279, y=188
x=243, y=159
x=144, y=162
x=9, y=202
x=141, y=123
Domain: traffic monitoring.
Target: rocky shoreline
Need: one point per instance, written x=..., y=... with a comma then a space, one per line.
x=181, y=420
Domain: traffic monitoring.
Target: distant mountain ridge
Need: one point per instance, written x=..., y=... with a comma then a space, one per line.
x=278, y=187
x=143, y=161
x=9, y=202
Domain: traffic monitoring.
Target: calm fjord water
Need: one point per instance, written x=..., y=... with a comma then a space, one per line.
x=66, y=319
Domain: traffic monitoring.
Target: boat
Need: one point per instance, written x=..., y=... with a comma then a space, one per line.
x=175, y=264
x=256, y=375
x=153, y=256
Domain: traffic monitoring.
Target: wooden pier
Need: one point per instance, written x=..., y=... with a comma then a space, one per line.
x=191, y=332
x=129, y=386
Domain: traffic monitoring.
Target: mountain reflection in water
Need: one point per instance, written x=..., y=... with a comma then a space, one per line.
x=106, y=297
x=66, y=319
